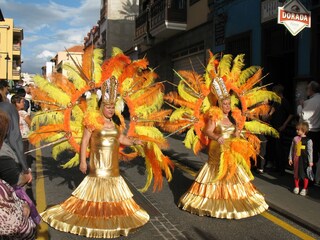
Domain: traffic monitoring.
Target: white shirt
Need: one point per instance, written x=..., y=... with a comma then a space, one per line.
x=310, y=112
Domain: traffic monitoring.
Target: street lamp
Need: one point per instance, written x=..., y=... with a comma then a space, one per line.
x=7, y=59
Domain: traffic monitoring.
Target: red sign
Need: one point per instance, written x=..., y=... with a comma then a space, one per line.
x=294, y=16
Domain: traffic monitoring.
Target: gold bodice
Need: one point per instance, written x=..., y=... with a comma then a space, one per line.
x=227, y=131
x=104, y=156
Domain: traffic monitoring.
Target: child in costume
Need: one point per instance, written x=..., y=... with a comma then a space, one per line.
x=223, y=187
x=300, y=157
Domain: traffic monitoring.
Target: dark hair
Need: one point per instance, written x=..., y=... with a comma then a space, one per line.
x=21, y=92
x=16, y=99
x=115, y=117
x=4, y=123
x=3, y=84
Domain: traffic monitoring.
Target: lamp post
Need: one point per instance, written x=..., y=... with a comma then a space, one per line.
x=7, y=59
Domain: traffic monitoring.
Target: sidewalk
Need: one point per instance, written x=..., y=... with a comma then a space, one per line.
x=276, y=189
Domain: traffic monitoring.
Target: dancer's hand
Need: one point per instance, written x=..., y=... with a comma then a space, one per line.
x=83, y=167
x=220, y=140
x=290, y=162
x=138, y=142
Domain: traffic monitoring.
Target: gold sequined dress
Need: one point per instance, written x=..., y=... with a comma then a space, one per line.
x=232, y=197
x=102, y=205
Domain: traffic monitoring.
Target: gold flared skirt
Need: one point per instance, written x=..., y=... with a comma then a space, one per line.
x=98, y=208
x=232, y=198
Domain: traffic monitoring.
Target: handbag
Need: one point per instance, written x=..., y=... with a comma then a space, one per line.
x=310, y=173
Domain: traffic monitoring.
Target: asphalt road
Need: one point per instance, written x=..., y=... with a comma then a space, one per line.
x=52, y=185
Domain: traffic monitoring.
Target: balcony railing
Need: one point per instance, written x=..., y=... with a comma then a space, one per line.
x=141, y=24
x=161, y=13
x=16, y=47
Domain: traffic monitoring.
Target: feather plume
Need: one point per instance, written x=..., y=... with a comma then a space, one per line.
x=74, y=76
x=59, y=148
x=214, y=113
x=238, y=64
x=197, y=145
x=44, y=132
x=181, y=113
x=189, y=139
x=225, y=65
x=72, y=162
x=87, y=62
x=254, y=141
x=193, y=80
x=174, y=98
x=46, y=118
x=260, y=96
x=186, y=93
x=225, y=158
x=260, y=110
x=62, y=82
x=211, y=71
x=175, y=126
x=149, y=173
x=252, y=81
x=97, y=61
x=257, y=127
x=148, y=96
x=52, y=91
x=149, y=131
x=246, y=74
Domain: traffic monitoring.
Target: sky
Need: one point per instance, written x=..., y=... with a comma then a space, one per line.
x=50, y=26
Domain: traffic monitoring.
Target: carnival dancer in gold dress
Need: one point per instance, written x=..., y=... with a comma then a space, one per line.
x=102, y=205
x=223, y=187
x=233, y=196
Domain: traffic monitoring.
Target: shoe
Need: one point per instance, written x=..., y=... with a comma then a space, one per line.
x=303, y=192
x=296, y=190
x=260, y=171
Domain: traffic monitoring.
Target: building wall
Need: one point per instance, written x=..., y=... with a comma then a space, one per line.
x=6, y=43
x=119, y=25
x=162, y=56
x=286, y=59
x=63, y=58
x=243, y=16
x=194, y=18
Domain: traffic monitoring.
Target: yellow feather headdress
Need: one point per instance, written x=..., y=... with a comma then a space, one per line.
x=193, y=106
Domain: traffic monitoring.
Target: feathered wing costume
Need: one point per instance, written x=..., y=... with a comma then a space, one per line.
x=222, y=188
x=102, y=205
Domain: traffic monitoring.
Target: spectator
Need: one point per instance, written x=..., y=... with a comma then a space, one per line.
x=28, y=96
x=13, y=137
x=24, y=119
x=18, y=215
x=309, y=111
x=4, y=90
x=15, y=220
x=280, y=116
x=301, y=157
x=27, y=105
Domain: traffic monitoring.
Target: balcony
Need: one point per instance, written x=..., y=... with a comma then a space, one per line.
x=160, y=21
x=16, y=74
